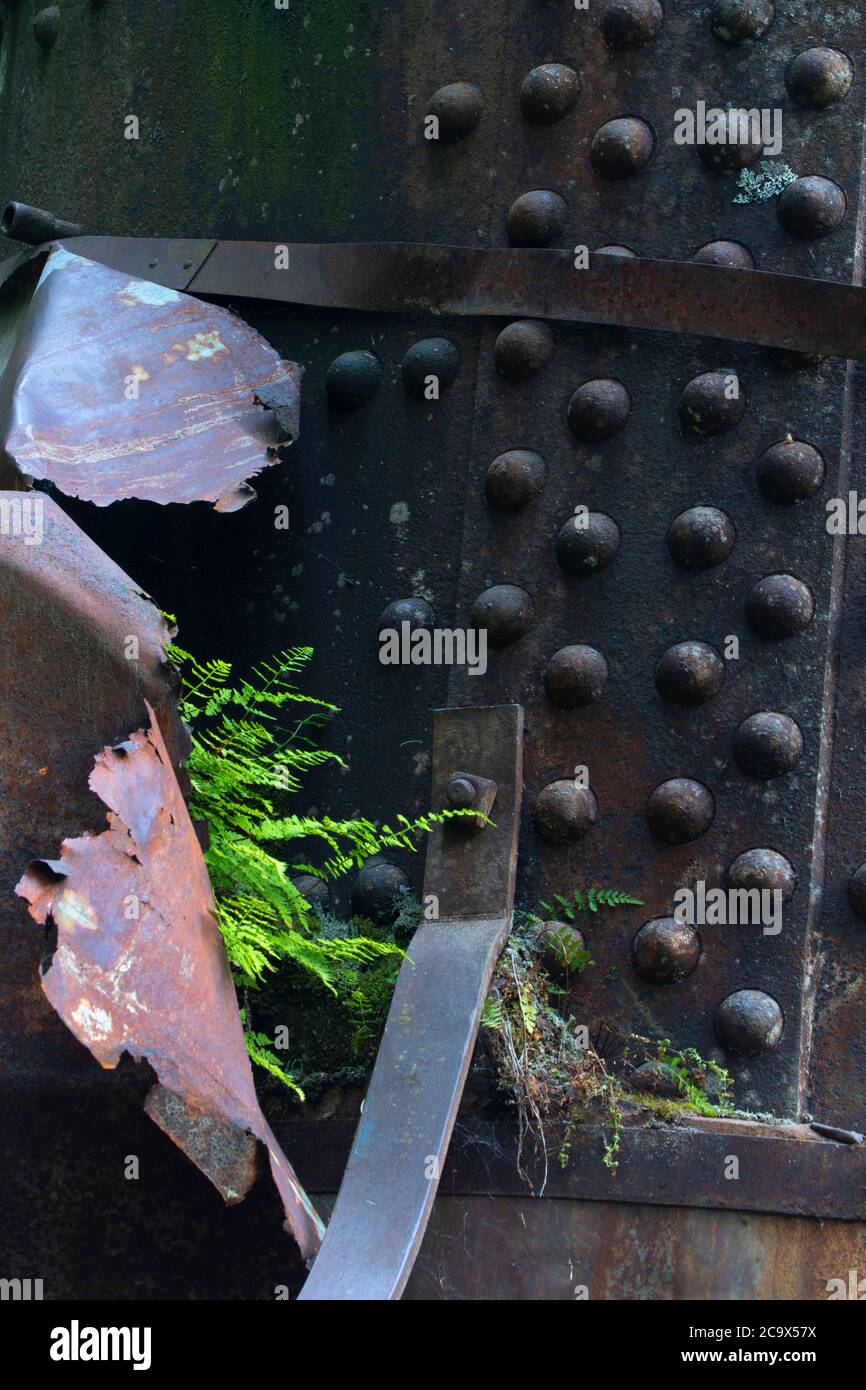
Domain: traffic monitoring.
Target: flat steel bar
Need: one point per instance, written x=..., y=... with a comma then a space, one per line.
x=399, y=1150
x=825, y=317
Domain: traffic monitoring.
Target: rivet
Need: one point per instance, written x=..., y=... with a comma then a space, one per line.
x=457, y=107
x=621, y=148
x=435, y=358
x=819, y=77
x=764, y=869
x=505, y=611
x=46, y=26
x=689, y=673
x=680, y=811
x=779, y=606
x=522, y=349
x=378, y=892
x=748, y=1022
x=352, y=379
x=616, y=251
x=536, y=218
x=315, y=890
x=741, y=21
x=598, y=409
x=630, y=24
x=729, y=253
x=768, y=744
x=514, y=478
x=712, y=402
x=701, y=538
x=564, y=812
x=417, y=612
x=548, y=93
x=558, y=943
x=857, y=892
x=790, y=472
x=733, y=153
x=811, y=208
x=665, y=950
x=575, y=677
x=461, y=794
x=587, y=543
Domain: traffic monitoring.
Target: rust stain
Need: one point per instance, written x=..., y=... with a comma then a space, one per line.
x=139, y=967
x=118, y=387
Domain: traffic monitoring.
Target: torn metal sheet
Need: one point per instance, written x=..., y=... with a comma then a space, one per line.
x=139, y=967
x=117, y=387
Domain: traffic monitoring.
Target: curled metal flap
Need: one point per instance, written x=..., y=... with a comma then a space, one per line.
x=118, y=387
x=139, y=967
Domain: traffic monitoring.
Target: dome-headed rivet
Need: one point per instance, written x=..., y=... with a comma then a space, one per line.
x=316, y=891
x=701, y=538
x=505, y=612
x=621, y=148
x=768, y=744
x=378, y=892
x=779, y=605
x=559, y=945
x=564, y=812
x=689, y=673
x=575, y=677
x=431, y=362
x=522, y=349
x=712, y=402
x=615, y=250
x=352, y=379
x=665, y=950
x=764, y=869
x=461, y=794
x=857, y=892
x=514, y=478
x=819, y=77
x=680, y=811
x=598, y=409
x=587, y=543
x=742, y=146
x=748, y=1022
x=728, y=253
x=811, y=208
x=457, y=107
x=628, y=24
x=548, y=93
x=46, y=26
x=536, y=218
x=789, y=472
x=417, y=612
x=657, y=1079
x=741, y=21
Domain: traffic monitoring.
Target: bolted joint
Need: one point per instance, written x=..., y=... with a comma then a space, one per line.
x=21, y=222
x=467, y=792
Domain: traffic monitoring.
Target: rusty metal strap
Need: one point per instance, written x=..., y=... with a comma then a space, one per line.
x=387, y=1194
x=749, y=306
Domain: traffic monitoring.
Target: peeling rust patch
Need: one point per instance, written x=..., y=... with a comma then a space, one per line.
x=139, y=967
x=118, y=387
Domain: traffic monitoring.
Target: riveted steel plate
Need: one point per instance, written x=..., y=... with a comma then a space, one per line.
x=631, y=739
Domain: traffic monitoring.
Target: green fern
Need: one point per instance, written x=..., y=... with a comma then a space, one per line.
x=593, y=901
x=491, y=1015
x=246, y=757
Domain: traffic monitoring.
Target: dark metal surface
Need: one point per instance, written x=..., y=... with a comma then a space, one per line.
x=745, y=306
x=139, y=966
x=376, y=1227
